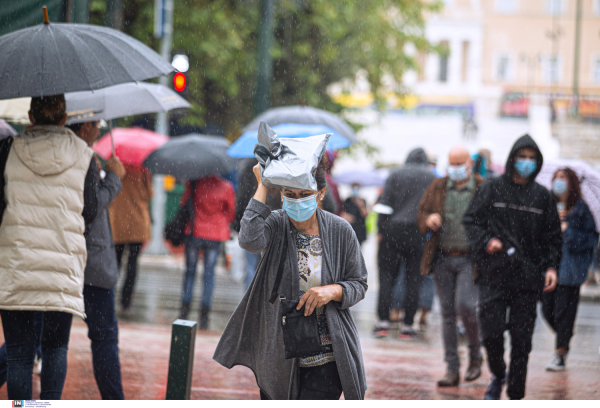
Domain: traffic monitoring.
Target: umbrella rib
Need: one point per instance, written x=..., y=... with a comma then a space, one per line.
x=70, y=38
x=53, y=37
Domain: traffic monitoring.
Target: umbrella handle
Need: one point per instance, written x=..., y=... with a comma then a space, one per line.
x=112, y=142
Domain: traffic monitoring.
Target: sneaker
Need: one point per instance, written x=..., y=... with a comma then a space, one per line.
x=494, y=390
x=407, y=332
x=557, y=363
x=380, y=331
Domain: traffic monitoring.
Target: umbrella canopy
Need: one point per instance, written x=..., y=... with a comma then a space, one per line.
x=589, y=178
x=121, y=100
x=191, y=157
x=366, y=178
x=244, y=146
x=6, y=130
x=305, y=115
x=15, y=110
x=51, y=59
x=132, y=145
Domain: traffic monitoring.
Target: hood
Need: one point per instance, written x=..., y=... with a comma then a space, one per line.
x=48, y=150
x=417, y=157
x=523, y=141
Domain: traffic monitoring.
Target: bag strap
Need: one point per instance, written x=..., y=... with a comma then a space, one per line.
x=190, y=204
x=274, y=293
x=5, y=146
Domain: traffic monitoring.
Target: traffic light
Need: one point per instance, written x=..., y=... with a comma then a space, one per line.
x=179, y=81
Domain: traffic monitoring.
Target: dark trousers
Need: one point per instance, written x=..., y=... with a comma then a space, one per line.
x=407, y=246
x=21, y=343
x=104, y=334
x=37, y=327
x=127, y=291
x=560, y=311
x=493, y=306
x=317, y=383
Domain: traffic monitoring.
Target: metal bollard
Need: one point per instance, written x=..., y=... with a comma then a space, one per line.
x=181, y=360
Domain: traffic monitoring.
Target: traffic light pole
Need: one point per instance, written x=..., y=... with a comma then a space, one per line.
x=262, y=98
x=157, y=246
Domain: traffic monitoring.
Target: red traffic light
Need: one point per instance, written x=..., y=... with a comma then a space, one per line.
x=179, y=81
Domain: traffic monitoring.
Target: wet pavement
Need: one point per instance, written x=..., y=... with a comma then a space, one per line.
x=395, y=369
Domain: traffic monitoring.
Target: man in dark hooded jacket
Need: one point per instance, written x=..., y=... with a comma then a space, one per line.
x=400, y=239
x=515, y=240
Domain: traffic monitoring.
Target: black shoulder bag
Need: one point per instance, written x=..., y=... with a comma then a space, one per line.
x=5, y=146
x=175, y=229
x=300, y=334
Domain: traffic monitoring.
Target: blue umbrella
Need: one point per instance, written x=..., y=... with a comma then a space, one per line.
x=244, y=146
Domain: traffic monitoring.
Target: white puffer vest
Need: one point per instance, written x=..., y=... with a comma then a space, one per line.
x=42, y=248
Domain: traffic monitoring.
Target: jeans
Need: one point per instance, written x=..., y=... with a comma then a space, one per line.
x=251, y=264
x=493, y=306
x=19, y=334
x=104, y=334
x=37, y=327
x=426, y=292
x=560, y=311
x=128, y=286
x=211, y=253
x=453, y=278
x=406, y=245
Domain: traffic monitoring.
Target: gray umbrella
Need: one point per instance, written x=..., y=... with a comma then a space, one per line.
x=191, y=157
x=305, y=115
x=121, y=100
x=51, y=59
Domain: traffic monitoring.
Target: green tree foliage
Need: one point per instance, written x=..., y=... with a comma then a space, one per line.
x=317, y=43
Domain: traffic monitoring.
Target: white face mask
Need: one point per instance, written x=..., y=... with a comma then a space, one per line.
x=458, y=173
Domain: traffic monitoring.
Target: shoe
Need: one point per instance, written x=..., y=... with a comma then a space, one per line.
x=380, y=331
x=451, y=379
x=407, y=332
x=422, y=326
x=494, y=390
x=474, y=370
x=185, y=310
x=557, y=363
x=37, y=366
x=204, y=311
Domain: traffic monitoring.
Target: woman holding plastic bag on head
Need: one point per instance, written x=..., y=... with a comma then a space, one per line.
x=293, y=328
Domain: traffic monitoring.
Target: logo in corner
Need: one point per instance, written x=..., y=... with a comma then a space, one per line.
x=18, y=403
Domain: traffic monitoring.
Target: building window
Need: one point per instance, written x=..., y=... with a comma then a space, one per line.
x=503, y=68
x=596, y=70
x=506, y=6
x=555, y=7
x=443, y=72
x=551, y=68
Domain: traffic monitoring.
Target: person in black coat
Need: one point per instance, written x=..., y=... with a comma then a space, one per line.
x=514, y=236
x=355, y=212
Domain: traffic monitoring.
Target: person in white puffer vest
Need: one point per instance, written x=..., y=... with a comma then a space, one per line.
x=45, y=205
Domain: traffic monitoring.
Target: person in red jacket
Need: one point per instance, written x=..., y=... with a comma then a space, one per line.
x=214, y=210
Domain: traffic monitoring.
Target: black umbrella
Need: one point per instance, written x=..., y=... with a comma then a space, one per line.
x=51, y=59
x=303, y=115
x=191, y=157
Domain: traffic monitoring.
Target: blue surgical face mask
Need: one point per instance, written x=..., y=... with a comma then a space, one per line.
x=458, y=173
x=355, y=191
x=525, y=167
x=300, y=209
x=559, y=186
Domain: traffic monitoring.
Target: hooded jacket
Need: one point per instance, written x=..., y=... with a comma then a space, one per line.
x=42, y=246
x=524, y=218
x=102, y=270
x=402, y=192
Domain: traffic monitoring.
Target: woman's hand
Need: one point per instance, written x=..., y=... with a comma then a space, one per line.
x=319, y=296
x=261, y=191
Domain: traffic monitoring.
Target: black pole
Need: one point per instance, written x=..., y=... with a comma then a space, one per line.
x=114, y=14
x=262, y=97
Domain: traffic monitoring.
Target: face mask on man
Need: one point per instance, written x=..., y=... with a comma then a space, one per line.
x=458, y=173
x=355, y=191
x=525, y=167
x=559, y=186
x=300, y=209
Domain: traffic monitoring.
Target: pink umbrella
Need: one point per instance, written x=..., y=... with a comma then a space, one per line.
x=132, y=145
